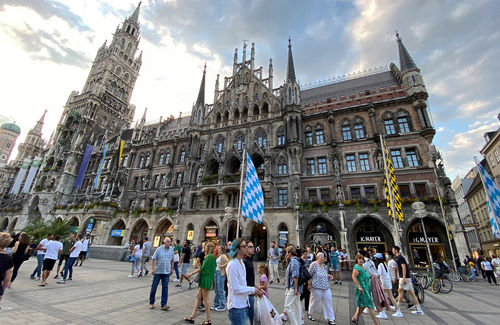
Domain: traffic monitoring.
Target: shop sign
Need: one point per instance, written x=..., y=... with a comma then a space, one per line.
x=90, y=226
x=366, y=238
x=170, y=230
x=419, y=238
x=190, y=235
x=117, y=232
x=283, y=238
x=210, y=231
x=156, y=241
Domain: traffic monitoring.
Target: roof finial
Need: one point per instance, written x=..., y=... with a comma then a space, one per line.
x=289, y=42
x=397, y=36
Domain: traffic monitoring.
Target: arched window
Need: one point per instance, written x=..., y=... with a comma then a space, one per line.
x=261, y=139
x=218, y=118
x=403, y=121
x=120, y=93
x=389, y=126
x=319, y=133
x=219, y=144
x=244, y=115
x=167, y=157
x=255, y=110
x=289, y=95
x=141, y=162
x=148, y=159
x=161, y=158
x=112, y=88
x=282, y=168
x=359, y=128
x=308, y=136
x=239, y=141
x=280, y=137
x=296, y=97
x=346, y=130
x=118, y=71
x=182, y=156
x=236, y=114
x=125, y=77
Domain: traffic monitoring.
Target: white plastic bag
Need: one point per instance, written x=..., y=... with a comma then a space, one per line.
x=265, y=313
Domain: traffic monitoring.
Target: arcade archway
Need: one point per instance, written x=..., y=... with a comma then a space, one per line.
x=164, y=229
x=283, y=238
x=210, y=232
x=371, y=233
x=116, y=233
x=140, y=230
x=436, y=236
x=319, y=232
x=74, y=223
x=4, y=224
x=259, y=239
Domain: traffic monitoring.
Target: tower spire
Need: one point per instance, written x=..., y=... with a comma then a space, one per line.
x=406, y=63
x=200, y=101
x=290, y=71
x=135, y=15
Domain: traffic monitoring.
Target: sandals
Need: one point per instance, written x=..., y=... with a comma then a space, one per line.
x=311, y=318
x=189, y=320
x=355, y=321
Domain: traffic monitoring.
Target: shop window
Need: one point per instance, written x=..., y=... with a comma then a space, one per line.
x=310, y=167
x=313, y=195
x=322, y=170
x=282, y=197
x=397, y=160
x=370, y=192
x=355, y=193
x=404, y=190
x=411, y=155
x=364, y=162
x=325, y=194
x=351, y=163
x=420, y=189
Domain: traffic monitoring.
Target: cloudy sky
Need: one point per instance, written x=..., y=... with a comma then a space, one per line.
x=48, y=47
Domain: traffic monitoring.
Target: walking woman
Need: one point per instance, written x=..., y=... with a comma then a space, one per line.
x=320, y=289
x=488, y=270
x=361, y=280
x=385, y=279
x=207, y=271
x=220, y=278
x=20, y=253
x=137, y=255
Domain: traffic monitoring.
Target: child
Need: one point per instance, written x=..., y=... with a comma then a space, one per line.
x=472, y=267
x=264, y=273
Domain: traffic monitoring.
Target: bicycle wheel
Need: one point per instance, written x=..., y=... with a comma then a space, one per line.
x=446, y=285
x=419, y=292
x=465, y=277
x=422, y=280
x=454, y=276
x=436, y=286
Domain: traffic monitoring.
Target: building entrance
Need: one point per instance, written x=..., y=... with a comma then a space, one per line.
x=418, y=248
x=372, y=234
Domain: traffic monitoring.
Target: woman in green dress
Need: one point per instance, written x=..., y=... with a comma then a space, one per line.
x=207, y=271
x=361, y=280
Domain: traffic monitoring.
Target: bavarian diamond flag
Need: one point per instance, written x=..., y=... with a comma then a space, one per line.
x=493, y=195
x=389, y=173
x=253, y=198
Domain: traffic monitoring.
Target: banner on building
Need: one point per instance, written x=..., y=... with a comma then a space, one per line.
x=31, y=174
x=83, y=167
x=391, y=187
x=493, y=200
x=120, y=152
x=96, y=180
x=20, y=177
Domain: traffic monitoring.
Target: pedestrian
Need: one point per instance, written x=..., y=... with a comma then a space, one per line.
x=405, y=284
x=206, y=279
x=263, y=278
x=495, y=262
x=185, y=260
x=310, y=255
x=136, y=255
x=334, y=265
x=220, y=278
x=385, y=280
x=361, y=280
x=345, y=259
x=74, y=253
x=40, y=248
x=162, y=265
x=320, y=289
x=380, y=300
x=293, y=309
x=257, y=252
x=488, y=270
x=6, y=263
x=238, y=291
x=306, y=292
x=67, y=244
x=83, y=252
x=274, y=254
x=52, y=250
x=20, y=253
x=250, y=276
x=177, y=257
x=145, y=255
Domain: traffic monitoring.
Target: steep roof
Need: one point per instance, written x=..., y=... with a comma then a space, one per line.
x=405, y=61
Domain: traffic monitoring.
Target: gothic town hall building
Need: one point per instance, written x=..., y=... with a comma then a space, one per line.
x=317, y=151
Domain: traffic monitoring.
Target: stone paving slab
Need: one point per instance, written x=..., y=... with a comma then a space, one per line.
x=102, y=293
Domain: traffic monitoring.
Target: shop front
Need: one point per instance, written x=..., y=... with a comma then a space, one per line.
x=372, y=234
x=436, y=237
x=165, y=229
x=211, y=233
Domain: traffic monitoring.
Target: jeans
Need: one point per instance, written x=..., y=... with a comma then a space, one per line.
x=164, y=288
x=251, y=300
x=38, y=268
x=238, y=316
x=220, y=295
x=136, y=264
x=69, y=267
x=176, y=269
x=14, y=272
x=490, y=275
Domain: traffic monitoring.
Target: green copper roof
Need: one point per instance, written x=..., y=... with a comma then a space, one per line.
x=11, y=127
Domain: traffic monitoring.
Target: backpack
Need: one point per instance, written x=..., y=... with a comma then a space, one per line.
x=304, y=274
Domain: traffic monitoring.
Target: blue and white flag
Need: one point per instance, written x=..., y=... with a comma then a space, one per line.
x=253, y=198
x=493, y=196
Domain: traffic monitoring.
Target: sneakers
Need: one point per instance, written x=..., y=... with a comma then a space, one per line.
x=140, y=274
x=340, y=282
x=178, y=285
x=130, y=276
x=175, y=280
x=70, y=279
x=311, y=318
x=147, y=271
x=392, y=308
x=382, y=315
x=32, y=277
x=336, y=282
x=62, y=281
x=283, y=317
x=37, y=278
x=365, y=311
x=201, y=308
x=56, y=276
x=190, y=285
x=397, y=314
x=220, y=309
x=418, y=312
x=213, y=307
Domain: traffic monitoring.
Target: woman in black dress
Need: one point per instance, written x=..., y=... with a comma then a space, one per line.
x=20, y=253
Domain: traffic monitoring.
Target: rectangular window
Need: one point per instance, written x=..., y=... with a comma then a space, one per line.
x=359, y=131
x=346, y=133
x=282, y=197
x=411, y=155
x=364, y=162
x=351, y=163
x=370, y=192
x=325, y=194
x=355, y=193
x=497, y=156
x=281, y=168
x=492, y=161
x=310, y=167
x=420, y=189
x=404, y=190
x=178, y=181
x=389, y=127
x=281, y=139
x=167, y=158
x=313, y=195
x=157, y=181
x=397, y=160
x=309, y=138
x=322, y=170
x=320, y=137
x=404, y=127
x=125, y=161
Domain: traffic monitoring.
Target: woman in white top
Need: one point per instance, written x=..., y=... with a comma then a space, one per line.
x=488, y=270
x=137, y=255
x=385, y=277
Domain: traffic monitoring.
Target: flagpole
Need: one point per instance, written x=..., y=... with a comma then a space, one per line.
x=241, y=192
x=485, y=192
x=391, y=195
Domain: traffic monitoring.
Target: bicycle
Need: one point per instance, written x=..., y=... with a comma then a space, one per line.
x=425, y=279
x=417, y=288
x=441, y=283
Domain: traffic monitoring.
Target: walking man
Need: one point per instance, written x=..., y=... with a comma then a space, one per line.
x=274, y=260
x=85, y=247
x=146, y=251
x=250, y=276
x=405, y=284
x=293, y=307
x=67, y=245
x=53, y=249
x=162, y=265
x=40, y=256
x=74, y=252
x=185, y=260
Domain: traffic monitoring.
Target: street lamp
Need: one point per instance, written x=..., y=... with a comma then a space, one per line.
x=421, y=213
x=297, y=207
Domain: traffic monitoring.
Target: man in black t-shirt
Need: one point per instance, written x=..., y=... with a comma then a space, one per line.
x=250, y=277
x=405, y=284
x=185, y=260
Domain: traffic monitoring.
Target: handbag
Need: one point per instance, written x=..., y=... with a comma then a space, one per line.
x=196, y=277
x=131, y=259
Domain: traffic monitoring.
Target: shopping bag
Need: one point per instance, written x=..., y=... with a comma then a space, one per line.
x=265, y=313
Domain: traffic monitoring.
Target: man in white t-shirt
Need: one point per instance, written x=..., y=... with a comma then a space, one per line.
x=53, y=249
x=74, y=252
x=85, y=247
x=40, y=256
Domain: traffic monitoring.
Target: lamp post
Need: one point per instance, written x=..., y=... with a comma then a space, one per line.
x=228, y=215
x=297, y=207
x=421, y=213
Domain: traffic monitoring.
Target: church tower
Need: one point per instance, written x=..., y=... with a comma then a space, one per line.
x=101, y=111
x=33, y=144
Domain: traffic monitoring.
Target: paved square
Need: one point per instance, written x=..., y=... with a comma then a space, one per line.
x=101, y=293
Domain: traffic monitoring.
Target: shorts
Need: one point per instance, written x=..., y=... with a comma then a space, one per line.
x=407, y=287
x=82, y=254
x=386, y=285
x=63, y=258
x=184, y=269
x=335, y=267
x=48, y=264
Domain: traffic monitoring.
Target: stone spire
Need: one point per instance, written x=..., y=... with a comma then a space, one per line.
x=200, y=101
x=406, y=63
x=135, y=15
x=37, y=129
x=290, y=71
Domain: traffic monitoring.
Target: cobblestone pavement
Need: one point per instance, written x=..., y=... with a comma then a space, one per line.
x=101, y=293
